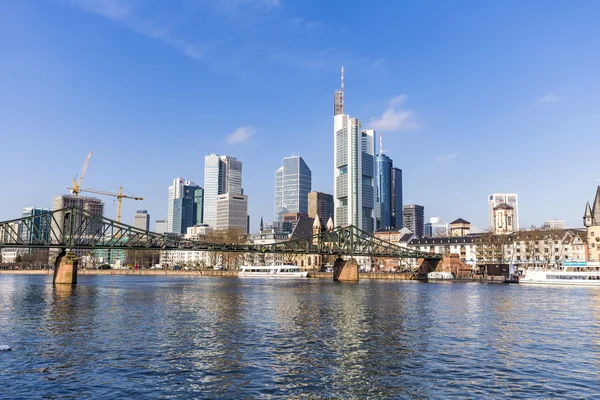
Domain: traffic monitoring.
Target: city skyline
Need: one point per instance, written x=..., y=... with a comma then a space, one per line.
x=439, y=123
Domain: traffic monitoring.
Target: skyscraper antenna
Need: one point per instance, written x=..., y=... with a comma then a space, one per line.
x=380, y=143
x=342, y=90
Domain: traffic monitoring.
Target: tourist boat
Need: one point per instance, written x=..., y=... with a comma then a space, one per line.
x=574, y=273
x=271, y=271
x=440, y=276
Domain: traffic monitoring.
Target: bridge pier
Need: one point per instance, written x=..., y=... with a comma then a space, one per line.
x=65, y=268
x=345, y=270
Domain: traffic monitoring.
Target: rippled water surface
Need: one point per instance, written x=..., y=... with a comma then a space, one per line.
x=168, y=337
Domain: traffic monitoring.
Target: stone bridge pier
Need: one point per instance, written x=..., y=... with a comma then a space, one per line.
x=65, y=268
x=345, y=270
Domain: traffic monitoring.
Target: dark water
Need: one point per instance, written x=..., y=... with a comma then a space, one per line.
x=161, y=337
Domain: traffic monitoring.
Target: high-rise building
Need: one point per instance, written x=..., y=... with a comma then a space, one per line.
x=38, y=230
x=160, y=226
x=495, y=200
x=91, y=204
x=232, y=212
x=185, y=209
x=414, y=219
x=292, y=183
x=354, y=169
x=320, y=205
x=222, y=174
x=397, y=204
x=383, y=205
x=141, y=220
x=182, y=188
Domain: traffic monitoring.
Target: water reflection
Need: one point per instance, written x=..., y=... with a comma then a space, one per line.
x=126, y=337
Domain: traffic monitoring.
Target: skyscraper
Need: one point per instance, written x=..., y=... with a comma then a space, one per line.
x=232, y=212
x=414, y=219
x=222, y=174
x=175, y=192
x=397, y=203
x=39, y=229
x=384, y=191
x=354, y=171
x=495, y=200
x=186, y=209
x=293, y=181
x=141, y=220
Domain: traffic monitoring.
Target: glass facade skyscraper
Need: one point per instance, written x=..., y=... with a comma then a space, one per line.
x=397, y=203
x=384, y=191
x=187, y=212
x=39, y=229
x=293, y=181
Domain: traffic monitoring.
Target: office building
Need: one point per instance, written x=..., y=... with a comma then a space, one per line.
x=141, y=220
x=160, y=226
x=389, y=191
x=397, y=203
x=320, y=205
x=232, y=212
x=436, y=228
x=38, y=230
x=511, y=199
x=414, y=219
x=383, y=204
x=292, y=184
x=222, y=174
x=184, y=213
x=185, y=209
x=354, y=170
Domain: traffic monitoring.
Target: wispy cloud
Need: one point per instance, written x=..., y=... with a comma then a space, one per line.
x=124, y=13
x=395, y=118
x=444, y=158
x=550, y=98
x=241, y=134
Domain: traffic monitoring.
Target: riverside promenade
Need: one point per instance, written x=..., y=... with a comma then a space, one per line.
x=204, y=273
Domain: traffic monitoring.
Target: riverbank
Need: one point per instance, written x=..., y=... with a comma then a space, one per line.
x=206, y=272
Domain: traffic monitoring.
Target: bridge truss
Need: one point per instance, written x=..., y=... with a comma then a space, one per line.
x=76, y=228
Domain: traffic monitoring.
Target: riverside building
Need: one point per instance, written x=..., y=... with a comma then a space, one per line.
x=293, y=182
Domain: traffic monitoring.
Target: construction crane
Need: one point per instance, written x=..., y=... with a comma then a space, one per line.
x=119, y=197
x=75, y=189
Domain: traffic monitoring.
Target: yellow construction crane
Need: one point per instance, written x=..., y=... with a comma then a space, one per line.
x=75, y=188
x=119, y=196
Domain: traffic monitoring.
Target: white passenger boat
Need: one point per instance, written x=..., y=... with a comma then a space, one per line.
x=574, y=273
x=440, y=276
x=272, y=271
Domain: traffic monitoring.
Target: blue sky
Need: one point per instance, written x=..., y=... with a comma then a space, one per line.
x=472, y=97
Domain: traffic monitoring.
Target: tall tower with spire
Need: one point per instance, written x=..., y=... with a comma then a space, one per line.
x=591, y=221
x=354, y=169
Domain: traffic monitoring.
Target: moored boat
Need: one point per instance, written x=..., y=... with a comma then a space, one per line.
x=440, y=276
x=271, y=271
x=571, y=273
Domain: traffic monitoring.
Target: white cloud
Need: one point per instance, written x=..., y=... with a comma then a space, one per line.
x=445, y=157
x=395, y=118
x=123, y=12
x=550, y=98
x=241, y=134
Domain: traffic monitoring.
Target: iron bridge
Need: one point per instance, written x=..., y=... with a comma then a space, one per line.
x=75, y=228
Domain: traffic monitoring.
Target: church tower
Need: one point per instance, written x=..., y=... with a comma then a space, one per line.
x=591, y=220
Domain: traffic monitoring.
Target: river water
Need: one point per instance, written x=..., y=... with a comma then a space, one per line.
x=192, y=337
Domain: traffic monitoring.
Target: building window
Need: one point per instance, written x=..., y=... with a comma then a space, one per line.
x=592, y=234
